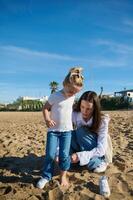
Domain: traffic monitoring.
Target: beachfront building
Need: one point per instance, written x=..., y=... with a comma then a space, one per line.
x=42, y=99
x=126, y=94
x=107, y=96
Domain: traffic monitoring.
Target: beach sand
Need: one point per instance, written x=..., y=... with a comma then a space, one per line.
x=22, y=147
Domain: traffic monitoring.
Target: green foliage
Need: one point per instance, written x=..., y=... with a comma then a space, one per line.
x=18, y=101
x=23, y=105
x=31, y=105
x=8, y=107
x=53, y=86
x=115, y=103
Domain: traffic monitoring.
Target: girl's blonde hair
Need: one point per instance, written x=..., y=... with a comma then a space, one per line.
x=74, y=77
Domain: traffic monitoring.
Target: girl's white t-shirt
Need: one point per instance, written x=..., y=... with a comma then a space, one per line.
x=61, y=111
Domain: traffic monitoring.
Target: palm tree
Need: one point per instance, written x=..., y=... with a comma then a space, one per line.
x=53, y=86
x=100, y=95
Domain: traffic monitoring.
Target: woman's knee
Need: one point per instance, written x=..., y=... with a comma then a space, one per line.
x=86, y=139
x=80, y=133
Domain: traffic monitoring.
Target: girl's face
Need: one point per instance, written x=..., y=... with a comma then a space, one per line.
x=71, y=90
x=86, y=109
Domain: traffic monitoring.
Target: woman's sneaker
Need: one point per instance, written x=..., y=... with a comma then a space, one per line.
x=101, y=168
x=41, y=183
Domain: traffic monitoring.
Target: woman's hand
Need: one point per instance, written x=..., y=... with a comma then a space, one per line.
x=74, y=158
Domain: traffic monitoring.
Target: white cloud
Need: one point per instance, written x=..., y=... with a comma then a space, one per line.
x=128, y=22
x=123, y=27
x=30, y=52
x=46, y=62
x=114, y=46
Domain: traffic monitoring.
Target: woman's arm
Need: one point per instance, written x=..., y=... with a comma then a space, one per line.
x=99, y=151
x=102, y=138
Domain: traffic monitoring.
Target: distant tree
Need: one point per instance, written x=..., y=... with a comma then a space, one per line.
x=53, y=86
x=18, y=101
x=115, y=103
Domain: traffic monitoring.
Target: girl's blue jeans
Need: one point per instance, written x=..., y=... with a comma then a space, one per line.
x=84, y=140
x=63, y=139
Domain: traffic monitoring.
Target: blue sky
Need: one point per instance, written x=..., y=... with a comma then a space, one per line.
x=40, y=40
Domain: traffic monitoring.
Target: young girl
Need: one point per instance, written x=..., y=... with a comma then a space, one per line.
x=58, y=117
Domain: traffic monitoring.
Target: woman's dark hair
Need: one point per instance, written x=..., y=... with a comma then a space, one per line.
x=91, y=97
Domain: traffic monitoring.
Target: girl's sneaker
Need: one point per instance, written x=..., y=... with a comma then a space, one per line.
x=102, y=167
x=41, y=183
x=104, y=186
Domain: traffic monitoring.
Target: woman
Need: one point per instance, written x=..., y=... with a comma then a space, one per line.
x=91, y=144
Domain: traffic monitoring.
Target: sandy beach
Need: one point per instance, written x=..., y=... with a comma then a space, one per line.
x=22, y=149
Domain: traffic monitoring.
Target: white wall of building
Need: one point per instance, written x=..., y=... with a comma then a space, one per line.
x=42, y=99
x=130, y=94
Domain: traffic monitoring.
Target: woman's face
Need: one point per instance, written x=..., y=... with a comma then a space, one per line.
x=86, y=109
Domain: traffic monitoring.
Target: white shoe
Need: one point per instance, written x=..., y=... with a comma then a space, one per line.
x=41, y=183
x=102, y=167
x=104, y=186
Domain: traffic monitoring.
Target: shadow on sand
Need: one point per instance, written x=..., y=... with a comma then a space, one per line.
x=25, y=169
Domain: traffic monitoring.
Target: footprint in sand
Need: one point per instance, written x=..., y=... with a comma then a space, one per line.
x=5, y=190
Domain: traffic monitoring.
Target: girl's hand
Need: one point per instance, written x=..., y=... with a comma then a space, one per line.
x=57, y=159
x=74, y=158
x=50, y=123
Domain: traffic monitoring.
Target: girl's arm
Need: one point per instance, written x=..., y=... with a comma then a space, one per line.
x=99, y=151
x=46, y=114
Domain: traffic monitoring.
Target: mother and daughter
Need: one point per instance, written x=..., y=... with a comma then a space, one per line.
x=89, y=144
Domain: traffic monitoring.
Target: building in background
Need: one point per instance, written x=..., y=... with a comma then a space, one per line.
x=126, y=94
x=42, y=99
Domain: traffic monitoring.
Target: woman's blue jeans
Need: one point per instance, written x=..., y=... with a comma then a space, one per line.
x=84, y=140
x=63, y=139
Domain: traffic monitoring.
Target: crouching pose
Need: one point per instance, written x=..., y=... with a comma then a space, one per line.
x=90, y=144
